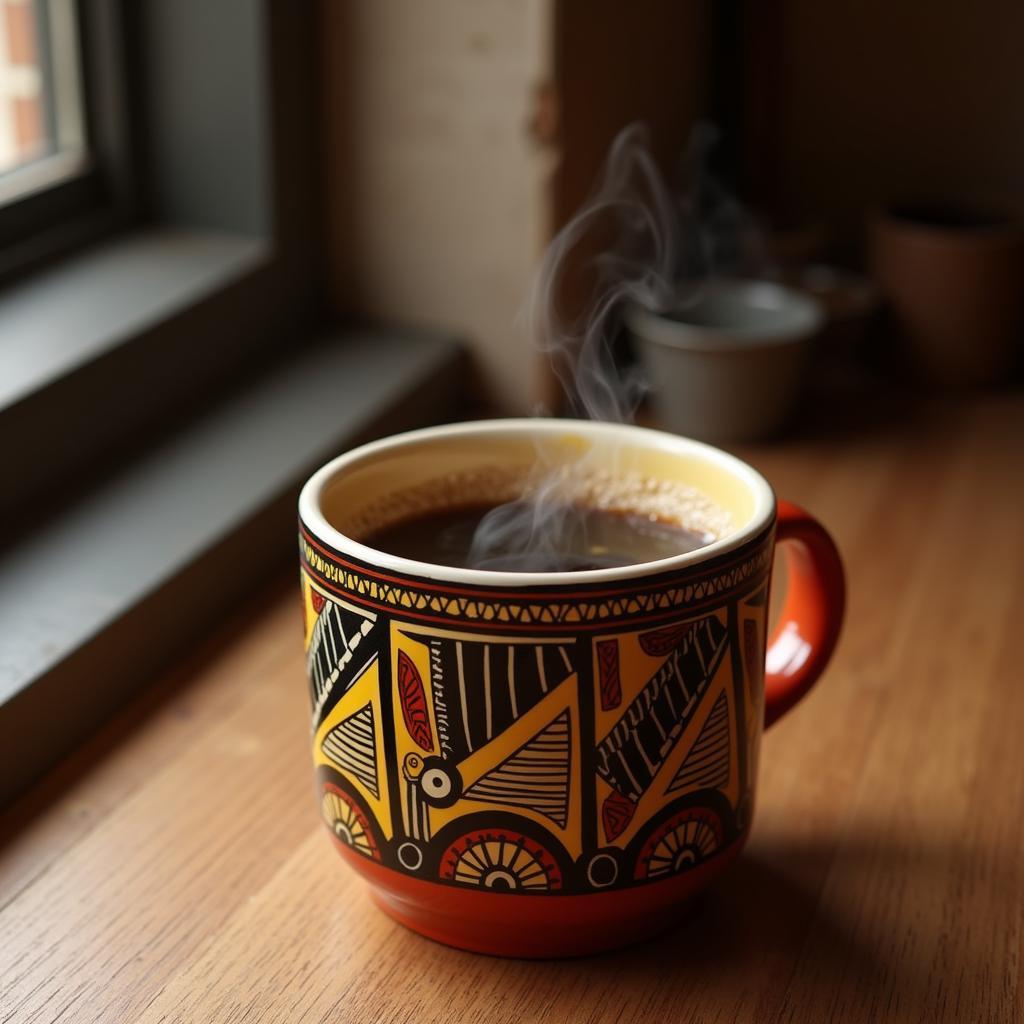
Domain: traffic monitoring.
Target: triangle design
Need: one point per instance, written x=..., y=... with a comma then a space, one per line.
x=707, y=764
x=484, y=686
x=640, y=742
x=535, y=777
x=350, y=745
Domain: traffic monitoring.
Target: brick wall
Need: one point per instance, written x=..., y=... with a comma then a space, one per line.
x=21, y=105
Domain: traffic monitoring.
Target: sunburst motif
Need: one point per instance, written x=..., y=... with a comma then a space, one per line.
x=682, y=842
x=347, y=822
x=501, y=860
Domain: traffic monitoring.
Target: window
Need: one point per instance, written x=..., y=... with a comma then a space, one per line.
x=64, y=157
x=41, y=123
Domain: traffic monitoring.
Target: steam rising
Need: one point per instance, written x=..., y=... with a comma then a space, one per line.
x=644, y=262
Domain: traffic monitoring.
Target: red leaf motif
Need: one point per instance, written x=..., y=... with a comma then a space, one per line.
x=318, y=601
x=608, y=673
x=616, y=813
x=414, y=702
x=660, y=642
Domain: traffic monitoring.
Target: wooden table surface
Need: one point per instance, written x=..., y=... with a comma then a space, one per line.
x=176, y=869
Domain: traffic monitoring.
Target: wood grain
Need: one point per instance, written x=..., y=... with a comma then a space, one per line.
x=175, y=870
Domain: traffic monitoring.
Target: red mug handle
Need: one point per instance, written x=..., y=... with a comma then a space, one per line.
x=812, y=613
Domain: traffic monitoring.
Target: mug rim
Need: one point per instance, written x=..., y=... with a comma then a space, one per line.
x=312, y=518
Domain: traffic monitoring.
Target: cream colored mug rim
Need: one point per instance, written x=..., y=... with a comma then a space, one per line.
x=311, y=514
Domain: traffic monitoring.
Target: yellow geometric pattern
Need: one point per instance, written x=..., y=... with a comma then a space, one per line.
x=403, y=640
x=309, y=613
x=636, y=668
x=708, y=709
x=411, y=640
x=365, y=690
x=488, y=757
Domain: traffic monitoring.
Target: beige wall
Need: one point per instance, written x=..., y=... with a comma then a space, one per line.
x=437, y=195
x=876, y=100
x=442, y=191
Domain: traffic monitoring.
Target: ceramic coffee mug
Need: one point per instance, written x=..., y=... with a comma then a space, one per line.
x=548, y=764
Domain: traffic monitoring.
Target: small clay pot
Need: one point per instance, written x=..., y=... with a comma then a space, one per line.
x=953, y=283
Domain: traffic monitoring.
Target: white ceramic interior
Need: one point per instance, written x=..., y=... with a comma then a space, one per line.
x=439, y=466
x=727, y=366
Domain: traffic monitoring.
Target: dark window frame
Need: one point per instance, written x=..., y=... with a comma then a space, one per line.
x=68, y=201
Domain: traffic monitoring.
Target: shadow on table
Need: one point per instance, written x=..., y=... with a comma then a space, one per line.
x=763, y=930
x=756, y=920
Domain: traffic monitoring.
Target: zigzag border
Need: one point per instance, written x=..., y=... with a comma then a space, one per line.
x=538, y=608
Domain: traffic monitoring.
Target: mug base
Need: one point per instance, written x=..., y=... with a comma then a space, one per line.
x=537, y=927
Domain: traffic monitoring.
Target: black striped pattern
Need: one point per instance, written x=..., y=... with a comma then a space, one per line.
x=536, y=776
x=350, y=746
x=331, y=661
x=481, y=688
x=707, y=764
x=641, y=740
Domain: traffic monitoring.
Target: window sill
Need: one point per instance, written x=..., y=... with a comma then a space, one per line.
x=58, y=320
x=137, y=329
x=93, y=601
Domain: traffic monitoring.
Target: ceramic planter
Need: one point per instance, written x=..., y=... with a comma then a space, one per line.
x=953, y=282
x=728, y=365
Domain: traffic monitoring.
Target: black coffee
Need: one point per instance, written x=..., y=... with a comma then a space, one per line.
x=518, y=537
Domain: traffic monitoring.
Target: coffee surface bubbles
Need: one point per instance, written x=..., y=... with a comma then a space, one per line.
x=576, y=539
